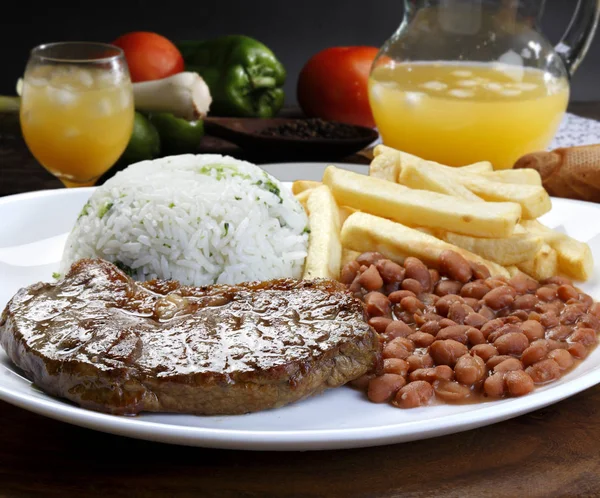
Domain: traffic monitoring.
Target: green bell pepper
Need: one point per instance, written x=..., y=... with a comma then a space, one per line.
x=177, y=135
x=244, y=76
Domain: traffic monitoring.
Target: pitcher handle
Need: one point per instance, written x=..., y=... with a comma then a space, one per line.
x=577, y=38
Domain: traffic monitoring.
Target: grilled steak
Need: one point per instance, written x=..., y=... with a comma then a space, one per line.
x=110, y=344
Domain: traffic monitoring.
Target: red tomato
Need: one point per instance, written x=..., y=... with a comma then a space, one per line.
x=150, y=56
x=333, y=85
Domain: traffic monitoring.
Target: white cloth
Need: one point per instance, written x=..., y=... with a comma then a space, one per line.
x=575, y=130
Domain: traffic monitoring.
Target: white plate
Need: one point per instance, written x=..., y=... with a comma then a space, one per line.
x=32, y=232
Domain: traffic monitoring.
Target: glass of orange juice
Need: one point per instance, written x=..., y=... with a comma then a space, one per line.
x=77, y=109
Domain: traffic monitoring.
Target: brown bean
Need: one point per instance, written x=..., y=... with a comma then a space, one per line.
x=571, y=313
x=497, y=282
x=397, y=348
x=508, y=365
x=421, y=339
x=414, y=394
x=442, y=306
x=486, y=312
x=475, y=320
x=523, y=283
x=382, y=388
x=562, y=357
x=566, y=292
x=451, y=391
x=469, y=369
x=454, y=266
x=446, y=322
x=369, y=258
x=484, y=351
x=434, y=275
x=362, y=383
x=456, y=332
x=534, y=315
x=475, y=304
x=396, y=297
x=544, y=371
x=377, y=304
x=558, y=280
x=505, y=329
x=519, y=316
x=395, y=366
x=595, y=310
x=430, y=327
x=533, y=330
x=549, y=319
x=494, y=361
x=349, y=271
x=585, y=336
x=397, y=329
x=480, y=271
x=491, y=326
x=447, y=352
x=389, y=288
x=370, y=279
x=458, y=312
x=537, y=351
x=379, y=323
x=417, y=270
x=412, y=285
x=428, y=299
x=476, y=289
x=441, y=372
x=475, y=336
x=500, y=297
x=546, y=293
x=589, y=321
x=445, y=287
x=518, y=383
x=586, y=299
x=559, y=333
x=511, y=343
x=494, y=386
x=552, y=344
x=416, y=361
x=525, y=302
x=390, y=272
x=404, y=316
x=411, y=304
x=577, y=350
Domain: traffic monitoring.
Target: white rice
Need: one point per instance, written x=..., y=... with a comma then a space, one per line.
x=199, y=219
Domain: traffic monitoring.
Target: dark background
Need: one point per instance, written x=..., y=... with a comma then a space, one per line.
x=293, y=29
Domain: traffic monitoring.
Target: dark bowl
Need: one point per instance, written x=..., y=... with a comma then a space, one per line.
x=246, y=134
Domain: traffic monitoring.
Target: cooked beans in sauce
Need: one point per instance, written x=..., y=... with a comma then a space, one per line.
x=455, y=334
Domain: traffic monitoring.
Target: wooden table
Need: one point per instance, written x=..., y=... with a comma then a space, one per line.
x=549, y=453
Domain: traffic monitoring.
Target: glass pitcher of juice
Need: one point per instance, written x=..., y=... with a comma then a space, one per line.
x=463, y=81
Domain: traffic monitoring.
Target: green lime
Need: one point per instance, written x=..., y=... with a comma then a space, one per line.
x=177, y=135
x=144, y=142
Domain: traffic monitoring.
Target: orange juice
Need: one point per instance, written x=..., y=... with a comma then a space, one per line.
x=457, y=114
x=77, y=122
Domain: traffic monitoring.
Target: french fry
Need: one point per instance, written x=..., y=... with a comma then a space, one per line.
x=348, y=255
x=324, y=247
x=364, y=232
x=302, y=185
x=517, y=248
x=302, y=198
x=525, y=176
x=534, y=199
x=543, y=265
x=345, y=211
x=434, y=180
x=575, y=259
x=421, y=208
x=388, y=164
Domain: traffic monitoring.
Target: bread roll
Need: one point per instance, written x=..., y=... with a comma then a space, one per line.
x=572, y=172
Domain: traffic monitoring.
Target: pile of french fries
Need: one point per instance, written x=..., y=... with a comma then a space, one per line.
x=408, y=206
